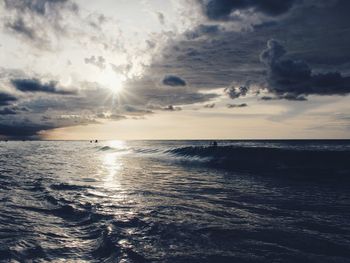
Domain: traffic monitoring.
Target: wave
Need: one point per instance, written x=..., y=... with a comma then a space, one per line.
x=263, y=159
x=110, y=149
x=67, y=212
x=105, y=148
x=68, y=187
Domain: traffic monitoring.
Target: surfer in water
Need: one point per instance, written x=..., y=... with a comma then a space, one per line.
x=214, y=144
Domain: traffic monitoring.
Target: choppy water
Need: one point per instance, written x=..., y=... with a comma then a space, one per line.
x=175, y=201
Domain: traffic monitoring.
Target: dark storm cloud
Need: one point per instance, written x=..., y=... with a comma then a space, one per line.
x=6, y=99
x=35, y=85
x=222, y=9
x=233, y=58
x=314, y=31
x=26, y=128
x=293, y=79
x=207, y=62
x=22, y=129
x=172, y=80
x=26, y=122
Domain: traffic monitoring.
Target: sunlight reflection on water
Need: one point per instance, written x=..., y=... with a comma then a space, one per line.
x=112, y=164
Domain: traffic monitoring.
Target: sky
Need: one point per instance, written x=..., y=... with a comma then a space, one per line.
x=174, y=69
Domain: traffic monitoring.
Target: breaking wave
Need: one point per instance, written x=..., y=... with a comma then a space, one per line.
x=313, y=162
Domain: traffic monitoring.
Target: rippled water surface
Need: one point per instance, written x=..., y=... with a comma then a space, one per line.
x=175, y=201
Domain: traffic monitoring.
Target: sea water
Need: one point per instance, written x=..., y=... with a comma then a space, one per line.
x=175, y=201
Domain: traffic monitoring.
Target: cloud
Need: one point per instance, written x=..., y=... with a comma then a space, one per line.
x=18, y=26
x=232, y=56
x=146, y=93
x=234, y=92
x=7, y=111
x=172, y=108
x=211, y=56
x=151, y=44
x=294, y=79
x=96, y=20
x=209, y=105
x=35, y=85
x=22, y=129
x=36, y=20
x=12, y=110
x=242, y=105
x=89, y=99
x=203, y=30
x=207, y=62
x=166, y=108
x=123, y=69
x=272, y=53
x=6, y=99
x=31, y=128
x=134, y=110
x=286, y=97
x=172, y=80
x=222, y=9
x=116, y=117
x=99, y=61
x=161, y=17
x=40, y=7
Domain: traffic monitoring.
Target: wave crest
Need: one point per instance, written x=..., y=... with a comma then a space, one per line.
x=262, y=159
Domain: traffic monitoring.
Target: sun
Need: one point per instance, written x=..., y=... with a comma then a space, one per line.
x=111, y=80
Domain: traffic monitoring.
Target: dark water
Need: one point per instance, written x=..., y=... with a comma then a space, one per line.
x=175, y=201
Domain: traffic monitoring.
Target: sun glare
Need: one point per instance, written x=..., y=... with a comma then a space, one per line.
x=111, y=80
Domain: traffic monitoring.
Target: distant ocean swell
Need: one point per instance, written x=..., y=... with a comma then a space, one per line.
x=308, y=162
x=291, y=161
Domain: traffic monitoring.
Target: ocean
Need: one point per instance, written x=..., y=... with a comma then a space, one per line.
x=175, y=201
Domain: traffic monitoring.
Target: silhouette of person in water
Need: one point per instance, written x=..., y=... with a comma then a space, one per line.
x=96, y=141
x=214, y=144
